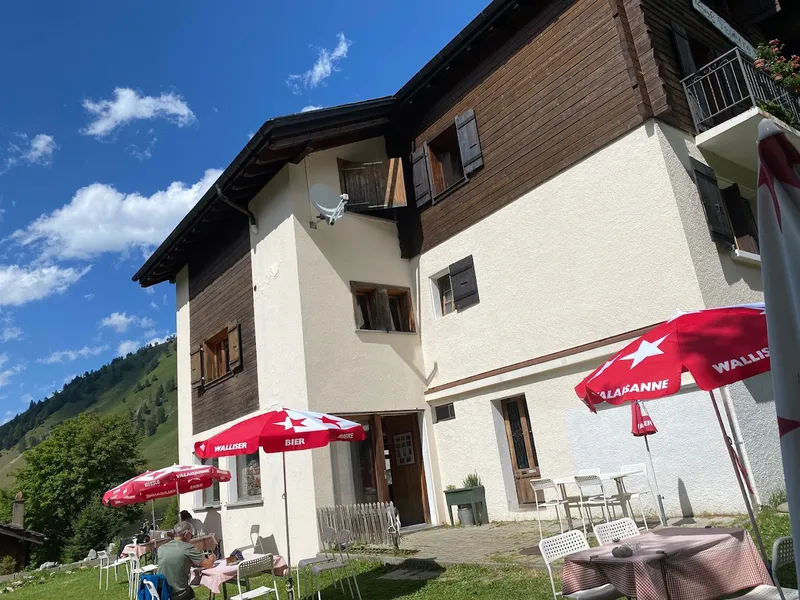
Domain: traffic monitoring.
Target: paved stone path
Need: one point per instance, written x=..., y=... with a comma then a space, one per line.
x=502, y=543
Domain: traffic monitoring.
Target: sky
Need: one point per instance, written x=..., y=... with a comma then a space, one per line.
x=116, y=117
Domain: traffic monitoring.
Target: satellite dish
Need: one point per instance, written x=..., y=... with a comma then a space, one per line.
x=327, y=202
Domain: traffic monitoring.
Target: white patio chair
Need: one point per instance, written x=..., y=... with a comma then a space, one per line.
x=542, y=485
x=782, y=554
x=328, y=537
x=152, y=589
x=616, y=530
x=256, y=566
x=135, y=573
x=559, y=546
x=106, y=565
x=588, y=497
x=637, y=494
x=341, y=563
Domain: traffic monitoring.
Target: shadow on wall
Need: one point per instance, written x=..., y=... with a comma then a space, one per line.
x=213, y=524
x=683, y=498
x=760, y=388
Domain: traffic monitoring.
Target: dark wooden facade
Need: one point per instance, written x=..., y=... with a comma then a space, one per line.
x=572, y=77
x=221, y=291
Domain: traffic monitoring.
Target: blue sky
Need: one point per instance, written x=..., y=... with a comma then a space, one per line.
x=114, y=120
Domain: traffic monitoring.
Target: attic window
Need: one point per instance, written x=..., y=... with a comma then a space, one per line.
x=445, y=158
x=373, y=185
x=217, y=357
x=382, y=308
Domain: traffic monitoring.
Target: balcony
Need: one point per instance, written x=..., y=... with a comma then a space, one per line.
x=728, y=98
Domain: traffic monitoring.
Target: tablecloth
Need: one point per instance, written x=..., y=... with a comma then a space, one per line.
x=678, y=563
x=214, y=577
x=203, y=543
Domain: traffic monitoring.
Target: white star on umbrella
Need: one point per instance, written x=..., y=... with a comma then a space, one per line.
x=646, y=349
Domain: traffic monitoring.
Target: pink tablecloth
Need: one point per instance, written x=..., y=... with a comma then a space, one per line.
x=214, y=577
x=684, y=563
x=203, y=543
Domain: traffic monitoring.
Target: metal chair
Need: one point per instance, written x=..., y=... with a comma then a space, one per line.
x=542, y=485
x=255, y=566
x=106, y=565
x=151, y=589
x=559, y=546
x=782, y=554
x=637, y=495
x=328, y=537
x=616, y=530
x=135, y=573
x=340, y=546
x=587, y=486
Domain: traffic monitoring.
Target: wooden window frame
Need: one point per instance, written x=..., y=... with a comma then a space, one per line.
x=439, y=295
x=380, y=310
x=226, y=341
x=215, y=356
x=451, y=413
x=435, y=164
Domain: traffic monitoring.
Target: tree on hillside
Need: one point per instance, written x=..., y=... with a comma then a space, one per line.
x=161, y=415
x=6, y=502
x=23, y=445
x=160, y=395
x=81, y=459
x=96, y=526
x=171, y=386
x=150, y=426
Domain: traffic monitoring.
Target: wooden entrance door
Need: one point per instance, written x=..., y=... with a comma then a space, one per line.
x=521, y=447
x=407, y=486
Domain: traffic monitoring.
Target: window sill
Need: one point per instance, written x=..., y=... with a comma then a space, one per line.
x=218, y=380
x=240, y=503
x=384, y=331
x=207, y=507
x=443, y=194
x=746, y=258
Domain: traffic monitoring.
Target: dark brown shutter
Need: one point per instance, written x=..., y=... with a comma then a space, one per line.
x=197, y=367
x=719, y=223
x=742, y=220
x=468, y=142
x=234, y=346
x=464, y=283
x=422, y=180
x=684, y=50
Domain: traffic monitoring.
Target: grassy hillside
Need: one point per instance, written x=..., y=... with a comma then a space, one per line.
x=128, y=385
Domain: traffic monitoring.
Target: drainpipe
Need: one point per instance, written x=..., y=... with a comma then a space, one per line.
x=736, y=434
x=250, y=216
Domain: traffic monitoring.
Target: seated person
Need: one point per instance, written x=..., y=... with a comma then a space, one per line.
x=176, y=558
x=197, y=525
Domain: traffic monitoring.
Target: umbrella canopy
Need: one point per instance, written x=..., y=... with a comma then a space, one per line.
x=718, y=346
x=281, y=430
x=779, y=238
x=177, y=479
x=641, y=424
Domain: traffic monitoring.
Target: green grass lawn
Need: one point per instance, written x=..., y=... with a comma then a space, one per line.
x=463, y=582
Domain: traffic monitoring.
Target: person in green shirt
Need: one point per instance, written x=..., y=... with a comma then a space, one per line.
x=176, y=558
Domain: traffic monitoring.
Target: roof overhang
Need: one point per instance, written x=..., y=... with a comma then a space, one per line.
x=22, y=534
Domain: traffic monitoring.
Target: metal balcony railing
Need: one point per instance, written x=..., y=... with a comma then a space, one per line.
x=730, y=85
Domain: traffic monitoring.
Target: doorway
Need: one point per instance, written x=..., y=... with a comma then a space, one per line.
x=406, y=474
x=524, y=461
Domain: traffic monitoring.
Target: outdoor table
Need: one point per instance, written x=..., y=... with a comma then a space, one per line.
x=214, y=578
x=203, y=543
x=618, y=477
x=677, y=562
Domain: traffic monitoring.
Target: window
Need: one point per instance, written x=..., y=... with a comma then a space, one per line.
x=455, y=289
x=447, y=159
x=217, y=357
x=729, y=215
x=211, y=494
x=373, y=185
x=445, y=412
x=248, y=477
x=380, y=308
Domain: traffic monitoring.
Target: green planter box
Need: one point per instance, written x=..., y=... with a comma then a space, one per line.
x=474, y=497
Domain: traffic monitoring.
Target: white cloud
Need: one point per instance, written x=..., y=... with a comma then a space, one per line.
x=127, y=347
x=128, y=106
x=157, y=340
x=326, y=64
x=150, y=290
x=69, y=378
x=154, y=305
x=311, y=107
x=63, y=356
x=88, y=297
x=10, y=333
x=20, y=285
x=31, y=151
x=250, y=135
x=121, y=321
x=150, y=333
x=7, y=373
x=101, y=219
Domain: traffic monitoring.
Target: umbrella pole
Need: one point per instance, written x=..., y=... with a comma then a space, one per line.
x=745, y=495
x=661, y=514
x=289, y=582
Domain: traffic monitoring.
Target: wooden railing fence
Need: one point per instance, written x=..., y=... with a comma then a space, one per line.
x=373, y=524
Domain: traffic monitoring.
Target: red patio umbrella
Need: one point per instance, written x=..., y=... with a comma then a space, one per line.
x=281, y=430
x=718, y=346
x=161, y=483
x=642, y=426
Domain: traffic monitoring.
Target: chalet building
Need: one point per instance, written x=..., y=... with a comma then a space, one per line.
x=560, y=177
x=15, y=540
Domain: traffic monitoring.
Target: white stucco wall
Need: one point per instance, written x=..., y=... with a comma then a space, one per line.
x=184, y=371
x=593, y=252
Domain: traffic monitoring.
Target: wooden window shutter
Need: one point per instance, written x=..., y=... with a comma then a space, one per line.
x=742, y=219
x=422, y=180
x=197, y=367
x=464, y=283
x=234, y=345
x=382, y=308
x=684, y=50
x=468, y=142
x=394, y=192
x=719, y=223
x=373, y=185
